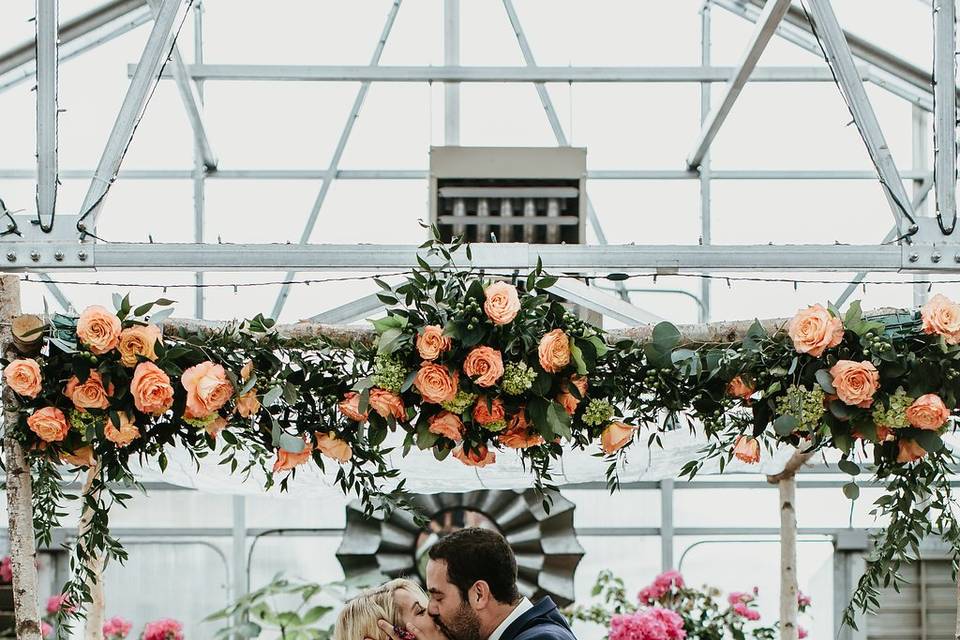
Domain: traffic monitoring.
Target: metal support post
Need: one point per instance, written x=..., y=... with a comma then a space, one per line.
x=921, y=149
x=199, y=166
x=451, y=57
x=239, y=568
x=666, y=525
x=945, y=112
x=705, y=192
x=47, y=29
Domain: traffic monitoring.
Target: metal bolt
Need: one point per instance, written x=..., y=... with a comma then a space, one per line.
x=35, y=256
x=58, y=256
x=82, y=255
x=935, y=258
x=914, y=257
x=913, y=229
x=11, y=256
x=956, y=257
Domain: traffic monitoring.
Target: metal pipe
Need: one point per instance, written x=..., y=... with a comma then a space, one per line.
x=483, y=228
x=47, y=28
x=945, y=112
x=459, y=211
x=506, y=211
x=553, y=230
x=199, y=167
x=706, y=174
x=451, y=57
x=529, y=211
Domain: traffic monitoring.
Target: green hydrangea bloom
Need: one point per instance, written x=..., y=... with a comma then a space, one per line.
x=460, y=403
x=200, y=423
x=896, y=416
x=82, y=421
x=805, y=405
x=598, y=412
x=496, y=426
x=389, y=374
x=517, y=378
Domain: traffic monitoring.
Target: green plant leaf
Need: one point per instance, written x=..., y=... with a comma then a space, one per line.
x=785, y=424
x=665, y=336
x=290, y=443
x=271, y=397
x=849, y=467
x=851, y=490
x=825, y=380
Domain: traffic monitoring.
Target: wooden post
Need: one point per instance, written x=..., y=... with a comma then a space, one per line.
x=787, y=483
x=93, y=629
x=23, y=553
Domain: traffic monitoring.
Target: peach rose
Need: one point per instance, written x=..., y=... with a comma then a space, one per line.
x=435, y=383
x=246, y=371
x=554, y=351
x=909, y=451
x=567, y=400
x=927, y=412
x=138, y=340
x=431, y=343
x=350, y=407
x=447, y=425
x=519, y=435
x=616, y=436
x=90, y=394
x=855, y=382
x=814, y=329
x=942, y=316
x=502, y=303
x=479, y=456
x=215, y=426
x=124, y=433
x=484, y=366
x=287, y=460
x=884, y=434
x=387, y=404
x=738, y=388
x=49, y=424
x=151, y=389
x=23, y=376
x=207, y=389
x=82, y=457
x=99, y=329
x=484, y=415
x=333, y=447
x=747, y=449
x=248, y=404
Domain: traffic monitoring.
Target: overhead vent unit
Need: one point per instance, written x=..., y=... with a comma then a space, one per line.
x=509, y=194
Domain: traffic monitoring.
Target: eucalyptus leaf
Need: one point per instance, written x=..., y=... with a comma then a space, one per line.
x=271, y=397
x=851, y=490
x=825, y=380
x=849, y=467
x=785, y=424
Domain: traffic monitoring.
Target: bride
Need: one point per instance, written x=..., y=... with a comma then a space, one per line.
x=400, y=602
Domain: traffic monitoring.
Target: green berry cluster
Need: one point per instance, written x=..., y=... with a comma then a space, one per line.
x=895, y=416
x=517, y=378
x=200, y=423
x=874, y=344
x=597, y=412
x=496, y=426
x=389, y=373
x=471, y=312
x=460, y=403
x=82, y=420
x=804, y=404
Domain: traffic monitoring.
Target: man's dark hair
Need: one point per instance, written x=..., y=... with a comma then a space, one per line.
x=475, y=554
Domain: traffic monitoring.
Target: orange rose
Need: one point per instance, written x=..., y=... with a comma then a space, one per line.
x=215, y=426
x=431, y=343
x=447, y=425
x=519, y=435
x=49, y=424
x=333, y=447
x=387, y=404
x=554, y=351
x=82, y=457
x=567, y=400
x=350, y=407
x=248, y=404
x=909, y=451
x=24, y=377
x=138, y=340
x=246, y=371
x=151, y=389
x=855, y=382
x=942, y=316
x=99, y=329
x=484, y=366
x=616, y=436
x=435, y=383
x=747, y=449
x=814, y=329
x=90, y=394
x=122, y=434
x=207, y=389
x=928, y=412
x=502, y=303
x=287, y=460
x=738, y=388
x=479, y=456
x=484, y=415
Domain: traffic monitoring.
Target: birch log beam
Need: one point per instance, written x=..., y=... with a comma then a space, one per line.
x=23, y=553
x=93, y=629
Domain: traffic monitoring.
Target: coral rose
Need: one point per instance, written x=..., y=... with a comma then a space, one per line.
x=484, y=366
x=151, y=389
x=479, y=456
x=747, y=449
x=122, y=434
x=942, y=316
x=567, y=400
x=138, y=340
x=447, y=425
x=287, y=460
x=485, y=413
x=387, y=404
x=616, y=436
x=23, y=376
x=333, y=447
x=855, y=382
x=82, y=457
x=502, y=303
x=814, y=329
x=435, y=383
x=554, y=351
x=909, y=451
x=350, y=407
x=927, y=412
x=431, y=343
x=248, y=404
x=739, y=388
x=215, y=426
x=207, y=389
x=99, y=329
x=519, y=435
x=49, y=424
x=90, y=394
x=246, y=371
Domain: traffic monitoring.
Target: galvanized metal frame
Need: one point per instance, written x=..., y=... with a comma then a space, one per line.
x=945, y=111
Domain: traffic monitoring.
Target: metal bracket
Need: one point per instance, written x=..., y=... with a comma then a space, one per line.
x=34, y=250
x=931, y=249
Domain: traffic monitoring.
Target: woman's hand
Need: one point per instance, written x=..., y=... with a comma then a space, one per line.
x=399, y=633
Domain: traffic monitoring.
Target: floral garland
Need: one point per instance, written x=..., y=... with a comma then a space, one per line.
x=465, y=366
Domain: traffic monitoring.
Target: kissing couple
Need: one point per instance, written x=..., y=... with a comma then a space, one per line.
x=472, y=587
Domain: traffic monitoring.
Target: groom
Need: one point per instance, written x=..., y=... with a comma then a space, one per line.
x=472, y=582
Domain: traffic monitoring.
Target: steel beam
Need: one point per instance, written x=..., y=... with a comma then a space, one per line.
x=331, y=172
x=773, y=12
x=945, y=112
x=350, y=312
x=57, y=293
x=154, y=55
x=598, y=300
x=451, y=57
x=47, y=24
x=705, y=169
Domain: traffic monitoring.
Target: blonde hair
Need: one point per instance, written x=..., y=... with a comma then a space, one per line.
x=359, y=616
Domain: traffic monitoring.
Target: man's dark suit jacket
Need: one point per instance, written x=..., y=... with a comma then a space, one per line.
x=543, y=622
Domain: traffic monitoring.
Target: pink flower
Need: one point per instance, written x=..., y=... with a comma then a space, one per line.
x=739, y=596
x=669, y=579
x=803, y=600
x=648, y=624
x=45, y=630
x=801, y=633
x=116, y=628
x=57, y=603
x=166, y=629
x=744, y=611
x=6, y=570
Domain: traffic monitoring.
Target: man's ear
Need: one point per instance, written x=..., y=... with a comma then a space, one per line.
x=479, y=595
